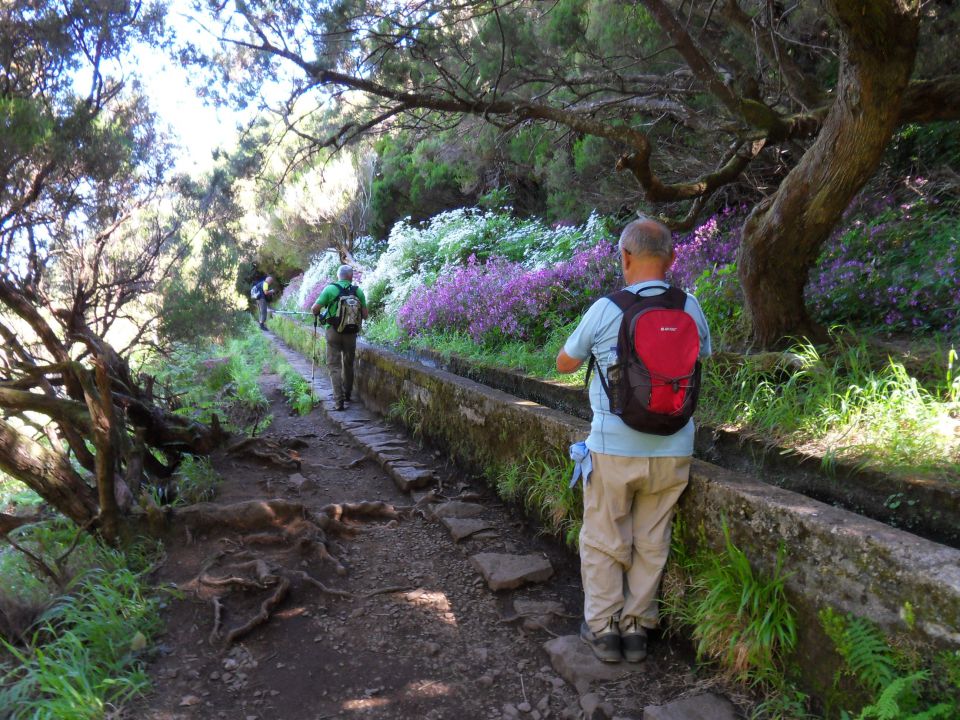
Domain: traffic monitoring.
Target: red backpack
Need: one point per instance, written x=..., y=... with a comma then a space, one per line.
x=654, y=385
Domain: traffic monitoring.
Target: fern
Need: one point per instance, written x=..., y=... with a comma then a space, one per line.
x=867, y=656
x=900, y=697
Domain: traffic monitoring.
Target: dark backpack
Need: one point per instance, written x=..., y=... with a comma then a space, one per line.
x=349, y=311
x=654, y=385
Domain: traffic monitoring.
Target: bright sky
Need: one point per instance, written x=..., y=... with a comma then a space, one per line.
x=198, y=128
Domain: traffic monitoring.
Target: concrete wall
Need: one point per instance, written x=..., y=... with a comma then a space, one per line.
x=835, y=558
x=926, y=506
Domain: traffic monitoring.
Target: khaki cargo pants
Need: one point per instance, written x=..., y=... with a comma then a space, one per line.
x=628, y=509
x=341, y=347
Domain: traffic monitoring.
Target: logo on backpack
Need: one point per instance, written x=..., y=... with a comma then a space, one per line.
x=654, y=384
x=349, y=311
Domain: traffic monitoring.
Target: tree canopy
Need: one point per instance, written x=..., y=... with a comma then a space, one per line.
x=796, y=103
x=86, y=237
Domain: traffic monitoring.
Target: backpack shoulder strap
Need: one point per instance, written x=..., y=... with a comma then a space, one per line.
x=672, y=298
x=623, y=299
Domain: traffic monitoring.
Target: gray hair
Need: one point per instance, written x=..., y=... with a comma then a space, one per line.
x=345, y=273
x=646, y=236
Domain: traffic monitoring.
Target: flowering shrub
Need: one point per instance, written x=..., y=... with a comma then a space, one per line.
x=416, y=256
x=302, y=290
x=710, y=247
x=899, y=271
x=500, y=300
x=289, y=299
x=321, y=273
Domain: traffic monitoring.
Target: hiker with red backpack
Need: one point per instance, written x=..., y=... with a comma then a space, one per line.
x=342, y=307
x=644, y=345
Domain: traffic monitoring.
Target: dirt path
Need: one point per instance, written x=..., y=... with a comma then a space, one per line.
x=445, y=646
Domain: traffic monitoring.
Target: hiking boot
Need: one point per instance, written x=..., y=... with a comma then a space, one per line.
x=605, y=644
x=262, y=326
x=338, y=405
x=633, y=640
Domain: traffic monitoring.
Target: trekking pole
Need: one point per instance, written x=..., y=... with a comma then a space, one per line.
x=313, y=356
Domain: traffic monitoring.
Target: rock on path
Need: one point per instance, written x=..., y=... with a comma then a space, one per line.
x=699, y=707
x=505, y=572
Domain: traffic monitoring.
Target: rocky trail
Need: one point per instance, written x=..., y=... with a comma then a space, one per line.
x=441, y=603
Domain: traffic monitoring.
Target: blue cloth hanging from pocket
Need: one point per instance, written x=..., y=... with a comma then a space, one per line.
x=583, y=465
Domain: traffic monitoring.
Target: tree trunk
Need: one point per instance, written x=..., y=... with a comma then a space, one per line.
x=100, y=403
x=12, y=522
x=47, y=473
x=783, y=236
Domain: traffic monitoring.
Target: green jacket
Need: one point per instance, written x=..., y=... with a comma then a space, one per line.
x=326, y=302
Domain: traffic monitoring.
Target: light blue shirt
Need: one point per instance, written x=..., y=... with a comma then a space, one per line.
x=597, y=334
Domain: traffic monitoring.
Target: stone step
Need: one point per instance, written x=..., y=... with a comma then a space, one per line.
x=457, y=509
x=461, y=529
x=575, y=662
x=699, y=707
x=505, y=572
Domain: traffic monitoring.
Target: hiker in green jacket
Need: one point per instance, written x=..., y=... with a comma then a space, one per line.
x=342, y=307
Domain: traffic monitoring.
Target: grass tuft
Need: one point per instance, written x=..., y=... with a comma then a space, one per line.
x=82, y=658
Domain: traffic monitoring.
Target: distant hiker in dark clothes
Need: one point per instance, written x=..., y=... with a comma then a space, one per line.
x=632, y=478
x=342, y=307
x=263, y=292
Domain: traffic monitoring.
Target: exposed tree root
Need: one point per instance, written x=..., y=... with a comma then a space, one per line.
x=281, y=453
x=267, y=525
x=266, y=607
x=217, y=617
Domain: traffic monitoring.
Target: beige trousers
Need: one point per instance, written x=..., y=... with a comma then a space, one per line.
x=628, y=509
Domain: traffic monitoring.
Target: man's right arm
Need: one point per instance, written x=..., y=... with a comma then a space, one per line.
x=567, y=364
x=579, y=345
x=320, y=304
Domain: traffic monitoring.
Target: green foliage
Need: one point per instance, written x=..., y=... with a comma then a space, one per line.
x=302, y=337
x=532, y=358
x=416, y=180
x=739, y=618
x=840, y=399
x=899, y=699
x=26, y=126
x=408, y=414
x=13, y=494
x=541, y=484
x=721, y=300
x=198, y=299
x=927, y=145
x=81, y=660
x=196, y=479
x=900, y=689
x=296, y=390
x=783, y=703
x=865, y=652
x=566, y=23
x=190, y=314
x=218, y=378
x=384, y=330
